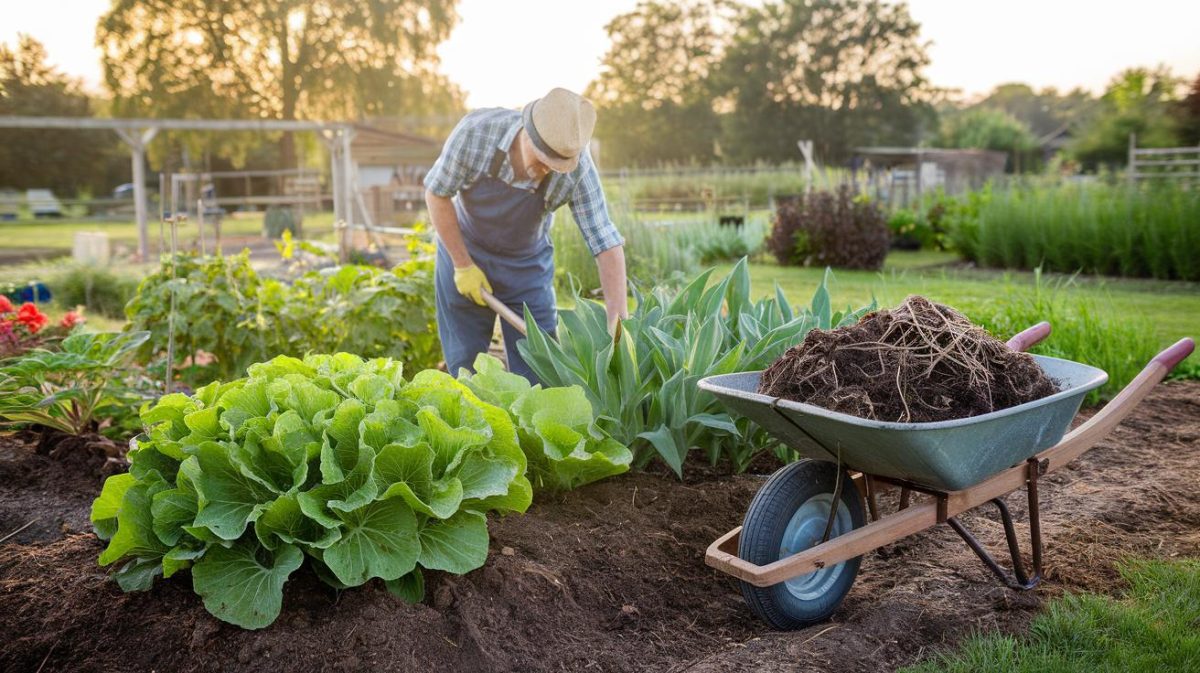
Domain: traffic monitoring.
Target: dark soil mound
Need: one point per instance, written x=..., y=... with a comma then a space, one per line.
x=48, y=482
x=611, y=578
x=919, y=362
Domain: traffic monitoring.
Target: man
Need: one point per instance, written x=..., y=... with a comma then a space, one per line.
x=491, y=196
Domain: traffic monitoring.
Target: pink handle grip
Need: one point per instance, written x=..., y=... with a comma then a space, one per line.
x=1030, y=337
x=1175, y=354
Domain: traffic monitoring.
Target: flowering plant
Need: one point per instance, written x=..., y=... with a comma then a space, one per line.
x=24, y=327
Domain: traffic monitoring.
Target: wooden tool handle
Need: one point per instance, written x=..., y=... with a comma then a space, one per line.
x=510, y=316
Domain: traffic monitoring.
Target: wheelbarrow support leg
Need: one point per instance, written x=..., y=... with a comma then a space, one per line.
x=1019, y=579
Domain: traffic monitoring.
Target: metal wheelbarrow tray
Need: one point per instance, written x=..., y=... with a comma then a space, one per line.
x=804, y=535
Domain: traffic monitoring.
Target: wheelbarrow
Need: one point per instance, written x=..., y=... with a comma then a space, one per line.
x=799, y=547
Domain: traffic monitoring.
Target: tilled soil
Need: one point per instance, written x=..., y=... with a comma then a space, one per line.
x=607, y=578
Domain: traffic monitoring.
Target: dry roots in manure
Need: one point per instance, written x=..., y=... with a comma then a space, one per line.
x=919, y=362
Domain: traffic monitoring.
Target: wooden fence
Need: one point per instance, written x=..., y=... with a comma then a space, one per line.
x=1171, y=163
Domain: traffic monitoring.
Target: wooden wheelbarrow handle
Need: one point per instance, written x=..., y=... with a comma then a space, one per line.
x=510, y=316
x=1030, y=337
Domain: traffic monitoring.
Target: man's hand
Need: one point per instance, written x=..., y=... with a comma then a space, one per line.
x=614, y=326
x=471, y=283
x=611, y=263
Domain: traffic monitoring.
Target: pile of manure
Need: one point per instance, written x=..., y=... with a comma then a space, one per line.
x=916, y=363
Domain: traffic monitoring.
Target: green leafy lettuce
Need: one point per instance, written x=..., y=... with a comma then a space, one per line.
x=556, y=427
x=334, y=458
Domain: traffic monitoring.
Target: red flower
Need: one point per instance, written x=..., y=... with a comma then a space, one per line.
x=6, y=305
x=31, y=317
x=71, y=319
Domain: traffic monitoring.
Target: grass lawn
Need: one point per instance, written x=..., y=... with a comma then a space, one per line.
x=1151, y=628
x=1172, y=308
x=50, y=235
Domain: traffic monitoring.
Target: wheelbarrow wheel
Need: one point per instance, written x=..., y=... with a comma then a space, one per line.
x=789, y=515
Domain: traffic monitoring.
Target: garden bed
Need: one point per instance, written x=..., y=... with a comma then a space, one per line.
x=609, y=577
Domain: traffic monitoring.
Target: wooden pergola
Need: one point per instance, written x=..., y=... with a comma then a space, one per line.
x=137, y=134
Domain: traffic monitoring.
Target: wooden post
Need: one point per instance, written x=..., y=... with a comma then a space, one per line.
x=347, y=172
x=137, y=153
x=200, y=224
x=1131, y=166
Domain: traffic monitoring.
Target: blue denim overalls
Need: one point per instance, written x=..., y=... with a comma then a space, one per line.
x=506, y=231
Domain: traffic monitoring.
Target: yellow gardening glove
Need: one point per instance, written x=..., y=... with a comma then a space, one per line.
x=471, y=282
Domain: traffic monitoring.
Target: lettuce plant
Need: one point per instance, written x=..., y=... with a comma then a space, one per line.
x=333, y=459
x=643, y=383
x=556, y=427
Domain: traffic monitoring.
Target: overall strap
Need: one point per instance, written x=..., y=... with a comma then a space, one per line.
x=542, y=187
x=497, y=162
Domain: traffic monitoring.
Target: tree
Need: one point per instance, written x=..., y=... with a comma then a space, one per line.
x=1188, y=113
x=1044, y=111
x=276, y=59
x=66, y=161
x=840, y=72
x=1137, y=101
x=653, y=91
x=989, y=129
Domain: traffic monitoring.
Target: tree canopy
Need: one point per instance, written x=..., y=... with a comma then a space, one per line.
x=754, y=80
x=277, y=59
x=66, y=161
x=1138, y=101
x=654, y=87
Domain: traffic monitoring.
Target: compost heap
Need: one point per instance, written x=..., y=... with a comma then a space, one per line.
x=919, y=362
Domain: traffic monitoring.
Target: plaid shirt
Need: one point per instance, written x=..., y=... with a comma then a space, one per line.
x=467, y=156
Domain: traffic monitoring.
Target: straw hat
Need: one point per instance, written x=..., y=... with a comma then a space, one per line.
x=560, y=125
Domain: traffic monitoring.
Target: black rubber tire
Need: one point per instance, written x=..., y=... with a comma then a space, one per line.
x=762, y=534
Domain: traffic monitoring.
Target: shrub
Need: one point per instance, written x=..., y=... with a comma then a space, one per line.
x=222, y=307
x=838, y=229
x=367, y=311
x=332, y=458
x=1143, y=230
x=643, y=384
x=715, y=243
x=904, y=224
x=278, y=220
x=97, y=289
x=211, y=304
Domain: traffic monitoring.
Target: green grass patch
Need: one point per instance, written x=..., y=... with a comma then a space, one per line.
x=1173, y=308
x=1112, y=323
x=58, y=235
x=1154, y=627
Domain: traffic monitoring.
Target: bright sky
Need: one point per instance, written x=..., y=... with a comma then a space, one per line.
x=506, y=52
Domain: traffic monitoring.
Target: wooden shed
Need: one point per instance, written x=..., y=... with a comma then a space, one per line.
x=899, y=174
x=390, y=164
